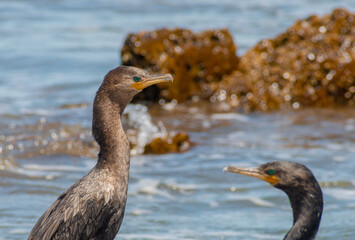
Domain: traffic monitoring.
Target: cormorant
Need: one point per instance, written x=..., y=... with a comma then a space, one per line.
x=303, y=190
x=93, y=207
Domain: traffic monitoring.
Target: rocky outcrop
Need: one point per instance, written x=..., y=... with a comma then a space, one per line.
x=197, y=61
x=311, y=64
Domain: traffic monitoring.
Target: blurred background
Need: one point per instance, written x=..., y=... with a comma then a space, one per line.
x=54, y=55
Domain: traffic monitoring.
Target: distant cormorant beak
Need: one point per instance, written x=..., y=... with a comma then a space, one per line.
x=153, y=79
x=253, y=172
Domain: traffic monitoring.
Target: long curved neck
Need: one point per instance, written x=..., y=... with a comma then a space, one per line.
x=108, y=132
x=307, y=206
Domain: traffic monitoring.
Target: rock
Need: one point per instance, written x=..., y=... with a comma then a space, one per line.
x=311, y=64
x=197, y=61
x=176, y=142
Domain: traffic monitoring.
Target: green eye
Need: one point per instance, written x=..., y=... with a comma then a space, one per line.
x=136, y=79
x=271, y=171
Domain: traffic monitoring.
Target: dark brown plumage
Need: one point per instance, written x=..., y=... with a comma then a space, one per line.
x=93, y=207
x=303, y=190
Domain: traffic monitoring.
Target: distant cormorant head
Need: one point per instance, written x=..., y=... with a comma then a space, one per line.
x=282, y=175
x=303, y=190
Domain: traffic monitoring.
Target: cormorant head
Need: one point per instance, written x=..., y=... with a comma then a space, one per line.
x=283, y=175
x=303, y=190
x=124, y=82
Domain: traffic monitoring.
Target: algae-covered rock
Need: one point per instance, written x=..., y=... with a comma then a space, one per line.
x=197, y=61
x=176, y=142
x=311, y=64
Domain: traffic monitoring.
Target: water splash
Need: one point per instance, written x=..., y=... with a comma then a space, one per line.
x=140, y=128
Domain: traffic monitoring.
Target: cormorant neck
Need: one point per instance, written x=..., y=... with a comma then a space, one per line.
x=307, y=206
x=108, y=132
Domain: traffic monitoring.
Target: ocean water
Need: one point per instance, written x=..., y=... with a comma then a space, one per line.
x=55, y=55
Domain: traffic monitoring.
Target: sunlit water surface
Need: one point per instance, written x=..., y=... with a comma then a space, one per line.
x=54, y=56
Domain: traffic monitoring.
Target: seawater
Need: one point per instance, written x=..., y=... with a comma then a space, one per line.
x=55, y=54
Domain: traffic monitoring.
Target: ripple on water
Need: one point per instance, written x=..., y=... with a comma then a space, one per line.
x=341, y=194
x=53, y=138
x=148, y=187
x=230, y=116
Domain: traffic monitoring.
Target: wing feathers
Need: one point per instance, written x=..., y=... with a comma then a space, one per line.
x=81, y=212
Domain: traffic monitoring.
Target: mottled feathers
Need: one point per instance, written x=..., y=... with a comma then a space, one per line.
x=90, y=209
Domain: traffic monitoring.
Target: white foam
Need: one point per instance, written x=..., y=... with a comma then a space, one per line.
x=40, y=112
x=19, y=231
x=230, y=116
x=339, y=158
x=65, y=168
x=32, y=173
x=142, y=123
x=255, y=200
x=139, y=212
x=213, y=156
x=213, y=204
x=149, y=187
x=334, y=146
x=261, y=202
x=234, y=234
x=341, y=194
x=236, y=135
x=159, y=236
x=183, y=188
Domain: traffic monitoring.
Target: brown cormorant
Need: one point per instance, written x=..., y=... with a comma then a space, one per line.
x=303, y=190
x=93, y=207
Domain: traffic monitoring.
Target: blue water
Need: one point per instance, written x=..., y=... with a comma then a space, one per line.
x=55, y=53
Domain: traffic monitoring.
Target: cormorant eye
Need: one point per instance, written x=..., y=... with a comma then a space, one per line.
x=136, y=79
x=271, y=171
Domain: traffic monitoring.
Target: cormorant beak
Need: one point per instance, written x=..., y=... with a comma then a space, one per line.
x=253, y=172
x=151, y=80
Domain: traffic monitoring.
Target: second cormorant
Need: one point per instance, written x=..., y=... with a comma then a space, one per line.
x=303, y=190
